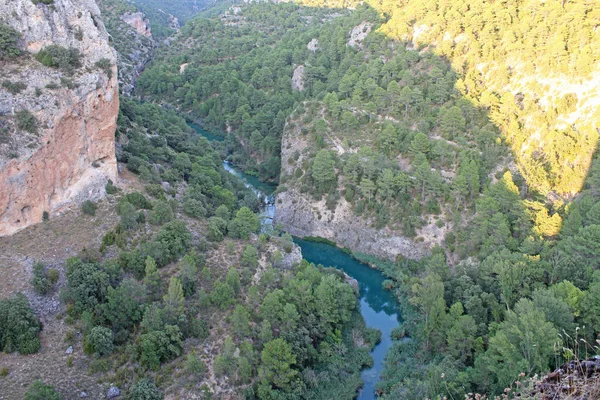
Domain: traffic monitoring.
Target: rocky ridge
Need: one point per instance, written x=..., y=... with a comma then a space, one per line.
x=71, y=156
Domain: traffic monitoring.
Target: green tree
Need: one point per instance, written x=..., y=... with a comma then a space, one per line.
x=453, y=121
x=388, y=140
x=524, y=342
x=249, y=257
x=428, y=297
x=367, y=188
x=241, y=321
x=233, y=279
x=152, y=279
x=420, y=144
x=323, y=172
x=244, y=223
x=188, y=272
x=19, y=326
x=123, y=306
x=174, y=300
x=100, y=340
x=277, y=361
x=222, y=295
x=161, y=213
x=590, y=306
x=461, y=335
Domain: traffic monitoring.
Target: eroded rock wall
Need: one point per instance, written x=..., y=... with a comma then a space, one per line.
x=72, y=155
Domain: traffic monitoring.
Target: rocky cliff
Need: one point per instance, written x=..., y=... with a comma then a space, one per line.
x=131, y=36
x=300, y=215
x=58, y=126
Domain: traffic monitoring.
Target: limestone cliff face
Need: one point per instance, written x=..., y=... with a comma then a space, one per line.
x=72, y=155
x=138, y=22
x=301, y=216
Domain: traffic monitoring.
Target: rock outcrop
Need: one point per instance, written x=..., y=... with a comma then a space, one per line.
x=298, y=78
x=300, y=215
x=71, y=155
x=138, y=22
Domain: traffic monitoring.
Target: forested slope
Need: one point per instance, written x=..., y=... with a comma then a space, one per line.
x=480, y=118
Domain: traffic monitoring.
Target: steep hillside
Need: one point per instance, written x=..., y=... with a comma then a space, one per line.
x=131, y=36
x=58, y=110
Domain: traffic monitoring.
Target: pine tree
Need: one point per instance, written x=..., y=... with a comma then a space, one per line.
x=152, y=278
x=420, y=144
x=174, y=300
x=323, y=172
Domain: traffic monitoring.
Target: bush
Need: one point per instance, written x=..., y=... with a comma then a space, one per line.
x=45, y=216
x=110, y=187
x=144, y=389
x=8, y=42
x=99, y=341
x=20, y=326
x=89, y=207
x=47, y=2
x=105, y=65
x=161, y=213
x=41, y=283
x=52, y=275
x=14, y=87
x=65, y=59
x=138, y=200
x=40, y=391
x=26, y=121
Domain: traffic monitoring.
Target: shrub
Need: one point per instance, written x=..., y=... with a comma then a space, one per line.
x=20, y=326
x=52, y=275
x=65, y=59
x=40, y=391
x=138, y=200
x=144, y=389
x=45, y=216
x=110, y=187
x=47, y=2
x=105, y=65
x=194, y=365
x=161, y=213
x=26, y=121
x=99, y=341
x=89, y=207
x=87, y=285
x=40, y=281
x=8, y=41
x=14, y=87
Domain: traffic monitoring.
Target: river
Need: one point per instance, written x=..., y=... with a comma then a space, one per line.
x=378, y=307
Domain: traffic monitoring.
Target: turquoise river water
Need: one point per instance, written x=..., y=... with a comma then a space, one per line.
x=378, y=307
